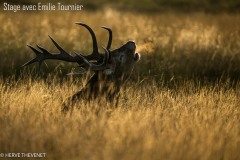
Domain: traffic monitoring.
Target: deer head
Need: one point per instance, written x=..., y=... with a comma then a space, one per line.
x=114, y=66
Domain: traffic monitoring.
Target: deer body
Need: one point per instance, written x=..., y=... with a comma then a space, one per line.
x=110, y=70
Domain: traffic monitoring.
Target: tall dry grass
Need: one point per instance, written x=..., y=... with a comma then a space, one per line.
x=151, y=122
x=171, y=109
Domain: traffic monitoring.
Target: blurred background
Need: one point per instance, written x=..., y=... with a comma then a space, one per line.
x=178, y=39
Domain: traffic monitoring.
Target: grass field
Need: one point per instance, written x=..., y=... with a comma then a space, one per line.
x=182, y=101
x=151, y=122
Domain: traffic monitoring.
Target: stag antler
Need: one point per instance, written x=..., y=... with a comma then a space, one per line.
x=109, y=38
x=82, y=60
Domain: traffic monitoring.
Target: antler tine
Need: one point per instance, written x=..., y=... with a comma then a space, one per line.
x=38, y=57
x=95, y=54
x=34, y=59
x=109, y=38
x=106, y=56
x=95, y=67
x=62, y=51
x=44, y=51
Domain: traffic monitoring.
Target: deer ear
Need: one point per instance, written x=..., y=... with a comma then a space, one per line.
x=137, y=57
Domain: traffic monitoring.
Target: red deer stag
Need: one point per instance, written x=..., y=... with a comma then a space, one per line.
x=110, y=70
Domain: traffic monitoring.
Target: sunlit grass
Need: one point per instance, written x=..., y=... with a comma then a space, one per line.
x=150, y=122
x=182, y=101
